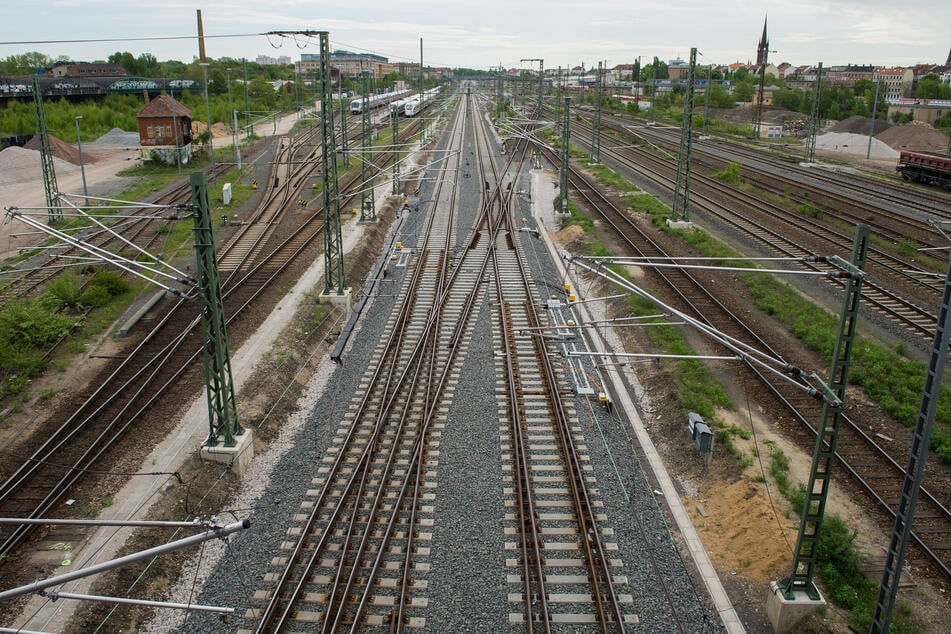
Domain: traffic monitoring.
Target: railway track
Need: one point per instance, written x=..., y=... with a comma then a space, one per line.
x=757, y=218
x=38, y=472
x=878, y=474
x=357, y=555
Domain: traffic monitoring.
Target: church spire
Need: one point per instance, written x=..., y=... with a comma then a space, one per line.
x=762, y=50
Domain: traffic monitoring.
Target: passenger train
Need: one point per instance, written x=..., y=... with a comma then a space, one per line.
x=376, y=101
x=416, y=105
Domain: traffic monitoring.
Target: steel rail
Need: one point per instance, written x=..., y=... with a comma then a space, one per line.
x=794, y=405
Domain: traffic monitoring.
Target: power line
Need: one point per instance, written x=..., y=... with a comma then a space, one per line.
x=129, y=39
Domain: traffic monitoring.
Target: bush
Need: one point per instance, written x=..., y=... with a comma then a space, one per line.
x=64, y=292
x=841, y=565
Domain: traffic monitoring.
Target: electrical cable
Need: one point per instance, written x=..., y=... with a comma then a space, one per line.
x=759, y=456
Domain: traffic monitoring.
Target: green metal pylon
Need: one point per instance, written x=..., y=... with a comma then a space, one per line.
x=367, y=197
x=343, y=127
x=820, y=476
x=219, y=386
x=915, y=471
x=54, y=211
x=814, y=117
x=395, y=128
x=333, y=242
x=563, y=172
x=682, y=188
x=596, y=136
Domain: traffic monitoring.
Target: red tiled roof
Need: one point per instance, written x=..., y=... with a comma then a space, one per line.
x=164, y=106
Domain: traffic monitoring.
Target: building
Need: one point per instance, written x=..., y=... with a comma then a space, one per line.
x=265, y=60
x=678, y=69
x=847, y=75
x=924, y=110
x=165, y=130
x=348, y=64
x=895, y=82
x=85, y=69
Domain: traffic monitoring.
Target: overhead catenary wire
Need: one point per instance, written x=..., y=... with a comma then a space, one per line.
x=748, y=353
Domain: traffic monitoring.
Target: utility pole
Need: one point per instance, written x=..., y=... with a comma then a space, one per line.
x=814, y=117
x=248, y=123
x=914, y=473
x=219, y=385
x=234, y=125
x=871, y=131
x=333, y=242
x=681, y=208
x=82, y=165
x=420, y=67
x=541, y=84
x=706, y=106
x=654, y=87
x=563, y=172
x=203, y=62
x=596, y=136
x=54, y=213
x=395, y=130
x=367, y=196
x=823, y=457
x=343, y=120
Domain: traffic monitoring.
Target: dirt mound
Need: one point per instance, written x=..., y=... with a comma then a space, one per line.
x=860, y=125
x=915, y=136
x=19, y=164
x=59, y=148
x=217, y=129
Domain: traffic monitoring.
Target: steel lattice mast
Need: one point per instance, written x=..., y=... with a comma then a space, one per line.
x=682, y=189
x=563, y=172
x=395, y=129
x=823, y=457
x=333, y=242
x=596, y=137
x=367, y=197
x=814, y=117
x=915, y=471
x=219, y=385
x=54, y=212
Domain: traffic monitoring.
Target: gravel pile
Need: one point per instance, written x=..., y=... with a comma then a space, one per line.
x=118, y=137
x=849, y=143
x=915, y=136
x=860, y=125
x=19, y=164
x=59, y=148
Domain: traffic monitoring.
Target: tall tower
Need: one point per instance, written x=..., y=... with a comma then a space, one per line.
x=948, y=63
x=762, y=54
x=762, y=49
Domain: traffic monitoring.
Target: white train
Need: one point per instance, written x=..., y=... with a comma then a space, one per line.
x=376, y=101
x=415, y=105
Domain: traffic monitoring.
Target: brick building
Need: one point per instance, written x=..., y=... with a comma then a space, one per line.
x=165, y=130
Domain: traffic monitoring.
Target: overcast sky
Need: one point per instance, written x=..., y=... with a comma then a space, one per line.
x=484, y=33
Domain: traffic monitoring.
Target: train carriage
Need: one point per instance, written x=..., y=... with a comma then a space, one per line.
x=923, y=167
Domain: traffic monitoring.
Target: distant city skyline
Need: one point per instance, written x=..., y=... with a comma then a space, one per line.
x=491, y=33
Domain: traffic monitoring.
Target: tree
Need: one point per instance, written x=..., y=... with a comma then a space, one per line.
x=743, y=90
x=931, y=87
x=863, y=87
x=741, y=74
x=27, y=63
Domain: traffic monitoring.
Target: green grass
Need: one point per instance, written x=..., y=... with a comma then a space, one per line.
x=888, y=378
